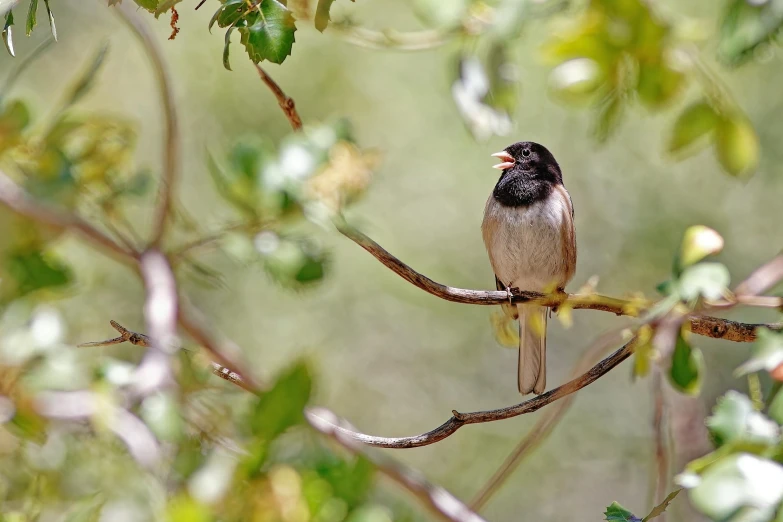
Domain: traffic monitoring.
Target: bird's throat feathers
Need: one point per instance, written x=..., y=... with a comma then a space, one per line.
x=517, y=187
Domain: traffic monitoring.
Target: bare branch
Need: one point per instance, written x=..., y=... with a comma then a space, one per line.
x=171, y=154
x=15, y=198
x=138, y=339
x=701, y=325
x=442, y=503
x=762, y=279
x=286, y=102
x=460, y=419
x=225, y=352
x=160, y=312
x=661, y=482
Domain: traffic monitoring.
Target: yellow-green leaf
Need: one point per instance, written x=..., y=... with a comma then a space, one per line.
x=737, y=145
x=694, y=124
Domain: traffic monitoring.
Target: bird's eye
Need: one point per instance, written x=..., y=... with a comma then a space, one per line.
x=526, y=153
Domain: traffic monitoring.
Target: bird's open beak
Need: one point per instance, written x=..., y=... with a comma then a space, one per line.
x=506, y=158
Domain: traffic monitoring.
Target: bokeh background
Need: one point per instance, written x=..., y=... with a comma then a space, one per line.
x=390, y=358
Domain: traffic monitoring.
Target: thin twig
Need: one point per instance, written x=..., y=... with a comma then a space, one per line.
x=543, y=427
x=138, y=339
x=171, y=154
x=225, y=352
x=15, y=198
x=178, y=253
x=660, y=486
x=461, y=419
x=285, y=101
x=442, y=503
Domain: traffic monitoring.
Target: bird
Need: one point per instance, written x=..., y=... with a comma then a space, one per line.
x=528, y=231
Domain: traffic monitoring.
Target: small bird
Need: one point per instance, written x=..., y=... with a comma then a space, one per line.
x=529, y=234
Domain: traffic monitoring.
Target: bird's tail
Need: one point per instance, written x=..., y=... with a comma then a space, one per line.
x=532, y=348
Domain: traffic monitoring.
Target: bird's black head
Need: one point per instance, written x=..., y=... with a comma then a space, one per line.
x=530, y=172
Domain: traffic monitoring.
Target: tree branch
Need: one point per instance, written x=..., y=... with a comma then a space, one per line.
x=19, y=201
x=461, y=419
x=171, y=156
x=702, y=325
x=442, y=503
x=142, y=340
x=286, y=102
x=160, y=313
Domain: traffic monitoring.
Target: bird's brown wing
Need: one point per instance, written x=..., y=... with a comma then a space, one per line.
x=509, y=309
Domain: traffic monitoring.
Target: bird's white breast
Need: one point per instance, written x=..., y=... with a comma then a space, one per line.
x=525, y=243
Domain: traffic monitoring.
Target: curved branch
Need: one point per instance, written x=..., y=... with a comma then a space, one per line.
x=460, y=419
x=702, y=325
x=445, y=505
x=18, y=200
x=171, y=140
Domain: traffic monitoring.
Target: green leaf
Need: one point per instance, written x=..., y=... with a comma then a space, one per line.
x=14, y=118
x=767, y=352
x=33, y=271
x=698, y=242
x=226, y=45
x=241, y=195
x=775, y=410
x=708, y=280
x=350, y=481
x=283, y=405
x=52, y=27
x=643, y=352
x=165, y=5
x=658, y=83
x=8, y=36
x=735, y=420
x=661, y=508
x=292, y=262
x=85, y=80
x=32, y=13
x=617, y=513
x=737, y=146
x=739, y=483
x=322, y=14
x=271, y=36
x=149, y=5
x=665, y=288
x=609, y=116
x=183, y=508
x=230, y=13
x=137, y=186
x=503, y=80
x=699, y=120
x=746, y=26
x=687, y=367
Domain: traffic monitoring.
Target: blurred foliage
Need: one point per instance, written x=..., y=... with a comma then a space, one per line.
x=66, y=443
x=609, y=54
x=212, y=464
